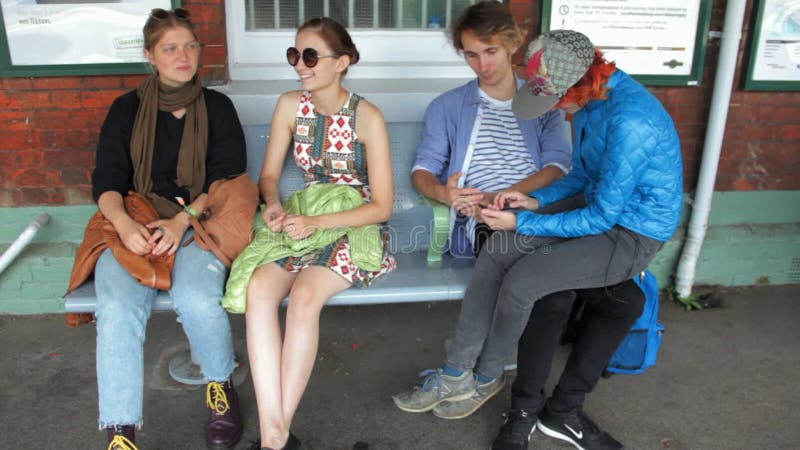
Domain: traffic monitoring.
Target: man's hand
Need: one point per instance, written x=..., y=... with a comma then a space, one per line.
x=499, y=220
x=465, y=200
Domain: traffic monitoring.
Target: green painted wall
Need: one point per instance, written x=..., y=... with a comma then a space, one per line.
x=753, y=238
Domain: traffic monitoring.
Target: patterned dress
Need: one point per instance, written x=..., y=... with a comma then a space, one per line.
x=327, y=150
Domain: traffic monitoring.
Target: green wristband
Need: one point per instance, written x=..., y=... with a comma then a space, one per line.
x=190, y=211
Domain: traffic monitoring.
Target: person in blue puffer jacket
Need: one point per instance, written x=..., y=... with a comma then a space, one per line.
x=589, y=232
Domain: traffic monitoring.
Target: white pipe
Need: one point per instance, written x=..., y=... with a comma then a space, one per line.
x=23, y=240
x=720, y=102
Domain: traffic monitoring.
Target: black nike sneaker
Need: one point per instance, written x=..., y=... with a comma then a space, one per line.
x=576, y=428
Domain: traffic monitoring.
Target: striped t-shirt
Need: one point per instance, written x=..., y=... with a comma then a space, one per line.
x=499, y=156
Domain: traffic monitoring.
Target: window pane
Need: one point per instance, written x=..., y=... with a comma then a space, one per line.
x=358, y=14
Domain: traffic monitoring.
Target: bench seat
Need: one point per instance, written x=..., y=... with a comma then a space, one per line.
x=413, y=281
x=418, y=229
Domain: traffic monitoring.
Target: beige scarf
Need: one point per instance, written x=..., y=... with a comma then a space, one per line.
x=191, y=171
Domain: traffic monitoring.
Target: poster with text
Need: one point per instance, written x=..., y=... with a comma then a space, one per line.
x=62, y=32
x=775, y=49
x=644, y=37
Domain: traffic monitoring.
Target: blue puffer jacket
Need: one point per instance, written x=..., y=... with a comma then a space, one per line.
x=626, y=161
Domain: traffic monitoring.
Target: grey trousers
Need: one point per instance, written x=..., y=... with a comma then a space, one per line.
x=514, y=271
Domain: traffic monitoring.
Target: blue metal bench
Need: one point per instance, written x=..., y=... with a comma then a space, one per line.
x=423, y=273
x=419, y=232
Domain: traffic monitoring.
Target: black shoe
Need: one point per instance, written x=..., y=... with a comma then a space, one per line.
x=516, y=431
x=292, y=444
x=576, y=428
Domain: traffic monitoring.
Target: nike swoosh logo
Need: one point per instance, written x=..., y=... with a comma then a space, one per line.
x=577, y=434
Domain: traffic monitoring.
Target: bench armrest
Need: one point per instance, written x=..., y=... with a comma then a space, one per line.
x=439, y=231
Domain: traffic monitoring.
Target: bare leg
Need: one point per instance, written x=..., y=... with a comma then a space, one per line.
x=312, y=289
x=268, y=287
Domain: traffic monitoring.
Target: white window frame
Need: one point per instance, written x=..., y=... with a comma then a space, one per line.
x=403, y=54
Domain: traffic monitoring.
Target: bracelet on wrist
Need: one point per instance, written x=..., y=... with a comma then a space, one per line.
x=187, y=208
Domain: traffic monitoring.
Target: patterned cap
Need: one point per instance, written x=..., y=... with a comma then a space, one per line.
x=554, y=62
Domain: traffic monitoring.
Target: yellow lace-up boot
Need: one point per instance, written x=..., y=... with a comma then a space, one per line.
x=225, y=424
x=121, y=437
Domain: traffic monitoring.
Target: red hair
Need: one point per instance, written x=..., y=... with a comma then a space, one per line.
x=592, y=86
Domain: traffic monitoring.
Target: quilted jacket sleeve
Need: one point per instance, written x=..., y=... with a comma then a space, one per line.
x=629, y=136
x=562, y=188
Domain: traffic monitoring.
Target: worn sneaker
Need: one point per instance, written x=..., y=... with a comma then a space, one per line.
x=516, y=430
x=576, y=428
x=463, y=408
x=436, y=387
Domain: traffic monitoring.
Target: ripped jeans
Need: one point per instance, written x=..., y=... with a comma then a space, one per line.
x=123, y=307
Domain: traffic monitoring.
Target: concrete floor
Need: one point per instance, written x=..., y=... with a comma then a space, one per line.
x=726, y=379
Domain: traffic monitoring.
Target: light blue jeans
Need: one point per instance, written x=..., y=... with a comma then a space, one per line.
x=123, y=307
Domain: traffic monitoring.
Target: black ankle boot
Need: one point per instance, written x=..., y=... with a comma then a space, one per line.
x=225, y=424
x=119, y=434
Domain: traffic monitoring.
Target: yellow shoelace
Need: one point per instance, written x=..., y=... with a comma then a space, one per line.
x=216, y=398
x=120, y=442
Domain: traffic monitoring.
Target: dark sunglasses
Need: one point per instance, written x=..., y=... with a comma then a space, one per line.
x=161, y=14
x=309, y=55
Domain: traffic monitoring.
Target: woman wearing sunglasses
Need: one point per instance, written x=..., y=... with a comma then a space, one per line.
x=334, y=136
x=170, y=138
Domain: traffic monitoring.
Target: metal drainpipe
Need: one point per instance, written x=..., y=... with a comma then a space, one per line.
x=23, y=240
x=720, y=102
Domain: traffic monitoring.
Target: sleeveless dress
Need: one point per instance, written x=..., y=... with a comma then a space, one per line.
x=327, y=150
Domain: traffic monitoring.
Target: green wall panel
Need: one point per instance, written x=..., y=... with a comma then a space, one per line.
x=753, y=238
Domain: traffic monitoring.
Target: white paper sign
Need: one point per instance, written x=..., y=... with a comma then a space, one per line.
x=777, y=56
x=644, y=37
x=45, y=32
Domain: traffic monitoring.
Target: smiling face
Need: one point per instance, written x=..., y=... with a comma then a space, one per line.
x=328, y=69
x=175, y=56
x=491, y=61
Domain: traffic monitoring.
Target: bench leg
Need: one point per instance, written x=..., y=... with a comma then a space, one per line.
x=183, y=369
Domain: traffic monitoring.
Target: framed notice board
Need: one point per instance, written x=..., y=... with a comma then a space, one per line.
x=74, y=37
x=655, y=41
x=774, y=59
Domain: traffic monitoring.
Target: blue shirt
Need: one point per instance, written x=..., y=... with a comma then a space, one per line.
x=449, y=121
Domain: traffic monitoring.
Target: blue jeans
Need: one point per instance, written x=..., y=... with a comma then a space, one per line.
x=123, y=307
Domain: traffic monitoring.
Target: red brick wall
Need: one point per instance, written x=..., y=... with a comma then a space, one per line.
x=49, y=125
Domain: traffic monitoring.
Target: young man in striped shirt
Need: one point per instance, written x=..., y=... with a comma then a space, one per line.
x=474, y=147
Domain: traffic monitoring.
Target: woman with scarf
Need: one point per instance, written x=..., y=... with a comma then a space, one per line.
x=168, y=141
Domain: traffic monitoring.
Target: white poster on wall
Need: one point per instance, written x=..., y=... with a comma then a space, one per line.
x=644, y=37
x=46, y=32
x=777, y=56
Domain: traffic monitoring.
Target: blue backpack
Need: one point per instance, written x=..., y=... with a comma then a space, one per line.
x=639, y=349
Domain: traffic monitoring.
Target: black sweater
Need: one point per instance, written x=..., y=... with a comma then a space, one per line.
x=226, y=157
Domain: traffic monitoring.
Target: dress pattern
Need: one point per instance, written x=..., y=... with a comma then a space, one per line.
x=327, y=150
